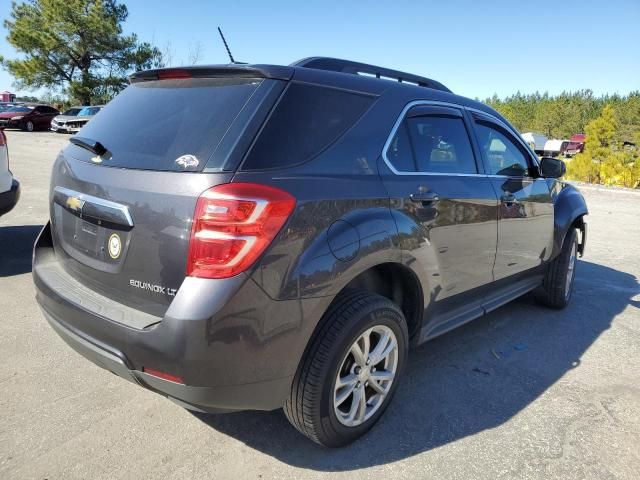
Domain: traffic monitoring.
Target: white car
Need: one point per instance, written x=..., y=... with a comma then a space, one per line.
x=555, y=147
x=9, y=186
x=536, y=141
x=73, y=123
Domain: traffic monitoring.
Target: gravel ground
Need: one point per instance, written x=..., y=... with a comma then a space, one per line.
x=561, y=401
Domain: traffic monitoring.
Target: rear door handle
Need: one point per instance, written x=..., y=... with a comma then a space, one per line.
x=424, y=197
x=93, y=209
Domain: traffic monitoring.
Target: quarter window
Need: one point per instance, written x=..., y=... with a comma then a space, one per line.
x=307, y=120
x=504, y=156
x=432, y=144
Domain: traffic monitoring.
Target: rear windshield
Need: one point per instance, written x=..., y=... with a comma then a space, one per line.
x=169, y=124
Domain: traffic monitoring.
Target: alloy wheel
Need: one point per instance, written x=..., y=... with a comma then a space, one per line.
x=365, y=376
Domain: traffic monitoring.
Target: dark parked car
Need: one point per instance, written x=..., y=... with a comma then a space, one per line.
x=257, y=236
x=28, y=117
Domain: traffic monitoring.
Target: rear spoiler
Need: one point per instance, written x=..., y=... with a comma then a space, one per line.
x=276, y=72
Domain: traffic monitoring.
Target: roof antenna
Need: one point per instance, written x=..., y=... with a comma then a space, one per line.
x=226, y=46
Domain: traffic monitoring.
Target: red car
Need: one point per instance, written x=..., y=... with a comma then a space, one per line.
x=28, y=117
x=575, y=145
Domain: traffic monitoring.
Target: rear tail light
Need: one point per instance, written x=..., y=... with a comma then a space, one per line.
x=3, y=139
x=233, y=224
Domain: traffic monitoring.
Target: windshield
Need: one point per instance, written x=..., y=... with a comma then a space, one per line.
x=169, y=124
x=88, y=111
x=20, y=109
x=72, y=112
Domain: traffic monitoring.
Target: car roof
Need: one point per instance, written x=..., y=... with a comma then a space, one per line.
x=322, y=69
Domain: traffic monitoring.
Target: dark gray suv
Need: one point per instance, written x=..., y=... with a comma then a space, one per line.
x=257, y=236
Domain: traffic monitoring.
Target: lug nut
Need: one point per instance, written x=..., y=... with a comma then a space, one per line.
x=358, y=385
x=366, y=384
x=368, y=361
x=357, y=370
x=373, y=369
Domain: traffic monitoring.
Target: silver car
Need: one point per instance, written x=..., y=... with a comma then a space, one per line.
x=74, y=119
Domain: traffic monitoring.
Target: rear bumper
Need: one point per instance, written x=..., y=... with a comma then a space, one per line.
x=9, y=198
x=235, y=348
x=260, y=395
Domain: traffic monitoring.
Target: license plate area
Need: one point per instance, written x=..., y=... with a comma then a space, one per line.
x=86, y=236
x=94, y=245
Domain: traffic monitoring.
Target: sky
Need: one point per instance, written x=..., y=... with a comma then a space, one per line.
x=476, y=48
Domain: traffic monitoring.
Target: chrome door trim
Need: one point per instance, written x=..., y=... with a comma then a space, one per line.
x=438, y=103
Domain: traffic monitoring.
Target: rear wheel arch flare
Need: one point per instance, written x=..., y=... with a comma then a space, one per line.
x=579, y=224
x=397, y=283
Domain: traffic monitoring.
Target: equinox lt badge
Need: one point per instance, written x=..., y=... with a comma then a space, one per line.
x=153, y=288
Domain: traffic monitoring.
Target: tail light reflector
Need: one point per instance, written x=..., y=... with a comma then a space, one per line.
x=233, y=225
x=163, y=375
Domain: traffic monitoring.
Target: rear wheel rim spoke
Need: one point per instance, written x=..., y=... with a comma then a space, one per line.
x=365, y=376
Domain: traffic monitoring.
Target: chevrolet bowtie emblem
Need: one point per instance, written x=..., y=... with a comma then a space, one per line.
x=74, y=203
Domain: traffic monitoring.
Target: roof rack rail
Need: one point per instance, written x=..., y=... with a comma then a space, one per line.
x=357, y=68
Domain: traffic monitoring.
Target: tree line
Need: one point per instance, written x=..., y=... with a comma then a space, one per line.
x=611, y=124
x=78, y=50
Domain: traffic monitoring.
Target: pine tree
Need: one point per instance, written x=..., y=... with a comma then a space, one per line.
x=588, y=166
x=78, y=44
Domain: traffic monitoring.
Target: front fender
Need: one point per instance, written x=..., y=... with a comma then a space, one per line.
x=569, y=205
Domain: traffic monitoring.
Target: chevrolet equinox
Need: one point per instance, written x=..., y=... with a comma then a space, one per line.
x=280, y=236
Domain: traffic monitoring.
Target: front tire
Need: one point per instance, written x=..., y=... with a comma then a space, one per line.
x=557, y=285
x=350, y=373
x=29, y=126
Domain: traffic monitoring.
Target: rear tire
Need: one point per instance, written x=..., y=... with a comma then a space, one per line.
x=557, y=285
x=29, y=126
x=344, y=383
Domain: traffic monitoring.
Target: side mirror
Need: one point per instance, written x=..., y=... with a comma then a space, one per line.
x=552, y=167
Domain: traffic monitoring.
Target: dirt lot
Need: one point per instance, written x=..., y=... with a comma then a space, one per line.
x=562, y=401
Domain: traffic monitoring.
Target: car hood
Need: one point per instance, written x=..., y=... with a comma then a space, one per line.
x=64, y=118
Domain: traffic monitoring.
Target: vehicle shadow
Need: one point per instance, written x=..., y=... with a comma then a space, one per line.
x=471, y=379
x=16, y=245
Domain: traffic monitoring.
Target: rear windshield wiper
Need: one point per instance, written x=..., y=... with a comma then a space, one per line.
x=88, y=144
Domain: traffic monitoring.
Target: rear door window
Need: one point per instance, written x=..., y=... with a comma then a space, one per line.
x=152, y=125
x=307, y=120
x=432, y=143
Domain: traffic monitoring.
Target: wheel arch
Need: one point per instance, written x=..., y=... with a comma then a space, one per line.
x=391, y=280
x=570, y=209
